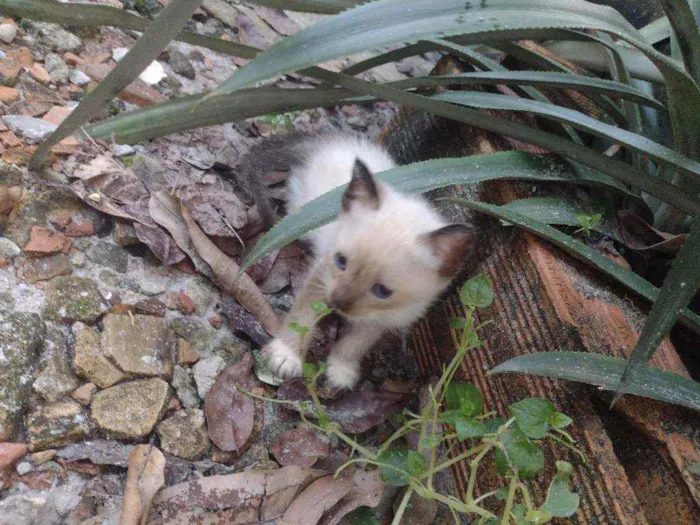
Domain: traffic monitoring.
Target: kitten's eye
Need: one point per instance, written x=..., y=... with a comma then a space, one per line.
x=340, y=260
x=381, y=291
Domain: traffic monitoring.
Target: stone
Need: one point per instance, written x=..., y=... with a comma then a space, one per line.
x=141, y=94
x=10, y=453
x=21, y=55
x=31, y=128
x=90, y=362
x=44, y=268
x=206, y=372
x=21, y=337
x=8, y=249
x=221, y=10
x=71, y=299
x=43, y=241
x=183, y=434
x=38, y=73
x=78, y=78
x=39, y=458
x=8, y=95
x=181, y=64
x=184, y=388
x=57, y=68
x=185, y=303
x=24, y=467
x=8, y=32
x=109, y=255
x=83, y=394
x=9, y=71
x=7, y=302
x=77, y=259
x=56, y=425
x=124, y=233
x=80, y=229
x=57, y=114
x=202, y=294
x=72, y=59
x=139, y=344
x=186, y=354
x=131, y=410
x=57, y=38
x=150, y=306
x=55, y=378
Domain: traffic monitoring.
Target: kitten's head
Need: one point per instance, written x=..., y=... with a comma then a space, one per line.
x=392, y=253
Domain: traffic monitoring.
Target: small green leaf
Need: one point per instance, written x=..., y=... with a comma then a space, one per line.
x=469, y=428
x=451, y=416
x=560, y=501
x=521, y=454
x=501, y=494
x=320, y=308
x=560, y=420
x=363, y=516
x=296, y=327
x=458, y=323
x=323, y=421
x=492, y=425
x=458, y=391
x=398, y=458
x=309, y=371
x=430, y=442
x=467, y=407
x=416, y=463
x=538, y=516
x=694, y=468
x=533, y=415
x=477, y=292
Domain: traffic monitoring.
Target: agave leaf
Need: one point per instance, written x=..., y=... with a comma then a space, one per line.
x=629, y=279
x=577, y=119
x=180, y=114
x=679, y=287
x=605, y=371
x=152, y=42
x=656, y=31
x=685, y=27
x=417, y=178
x=389, y=22
x=326, y=7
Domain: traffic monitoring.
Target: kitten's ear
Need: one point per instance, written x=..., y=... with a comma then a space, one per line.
x=452, y=244
x=362, y=188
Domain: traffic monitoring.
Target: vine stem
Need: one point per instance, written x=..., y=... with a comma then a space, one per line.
x=456, y=459
x=402, y=507
x=474, y=465
x=509, y=501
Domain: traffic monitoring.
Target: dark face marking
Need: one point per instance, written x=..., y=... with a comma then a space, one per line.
x=452, y=244
x=361, y=189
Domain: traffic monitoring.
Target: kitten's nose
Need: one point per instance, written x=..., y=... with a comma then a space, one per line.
x=340, y=299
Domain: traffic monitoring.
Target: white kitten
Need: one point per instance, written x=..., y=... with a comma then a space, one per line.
x=381, y=263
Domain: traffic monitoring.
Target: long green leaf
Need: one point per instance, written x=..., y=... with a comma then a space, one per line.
x=93, y=15
x=579, y=250
x=688, y=36
x=180, y=114
x=388, y=22
x=656, y=31
x=418, y=178
x=577, y=119
x=605, y=371
x=679, y=287
x=327, y=7
x=159, y=33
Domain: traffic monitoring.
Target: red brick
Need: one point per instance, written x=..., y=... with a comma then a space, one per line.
x=43, y=241
x=38, y=73
x=186, y=303
x=8, y=95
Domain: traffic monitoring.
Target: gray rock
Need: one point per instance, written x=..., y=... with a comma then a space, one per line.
x=31, y=128
x=23, y=467
x=152, y=287
x=202, y=294
x=184, y=387
x=8, y=32
x=21, y=336
x=195, y=332
x=56, y=425
x=8, y=249
x=118, y=281
x=57, y=38
x=109, y=255
x=55, y=377
x=139, y=344
x=90, y=362
x=183, y=434
x=70, y=299
x=78, y=78
x=121, y=150
x=221, y=10
x=99, y=452
x=181, y=64
x=7, y=302
x=131, y=410
x=205, y=373
x=57, y=68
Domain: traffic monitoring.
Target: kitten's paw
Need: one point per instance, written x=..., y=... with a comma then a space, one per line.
x=342, y=374
x=282, y=359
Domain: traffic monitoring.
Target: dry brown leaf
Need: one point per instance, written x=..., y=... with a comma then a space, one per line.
x=226, y=272
x=9, y=198
x=160, y=243
x=243, y=498
x=117, y=194
x=640, y=235
x=165, y=210
x=218, y=212
x=230, y=414
x=239, y=319
x=367, y=492
x=321, y=496
x=145, y=477
x=99, y=165
x=300, y=447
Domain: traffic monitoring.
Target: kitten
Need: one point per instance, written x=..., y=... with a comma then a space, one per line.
x=380, y=264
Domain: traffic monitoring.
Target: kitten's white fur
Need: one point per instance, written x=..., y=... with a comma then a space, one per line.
x=386, y=245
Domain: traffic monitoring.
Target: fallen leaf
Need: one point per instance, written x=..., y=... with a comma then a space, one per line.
x=9, y=198
x=640, y=235
x=118, y=194
x=99, y=165
x=367, y=492
x=165, y=210
x=226, y=273
x=199, y=156
x=310, y=506
x=260, y=270
x=145, y=477
x=300, y=447
x=239, y=319
x=242, y=498
x=356, y=412
x=230, y=413
x=218, y=212
x=160, y=243
x=98, y=451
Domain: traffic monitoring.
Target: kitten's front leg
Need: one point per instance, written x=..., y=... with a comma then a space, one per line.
x=347, y=353
x=284, y=355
